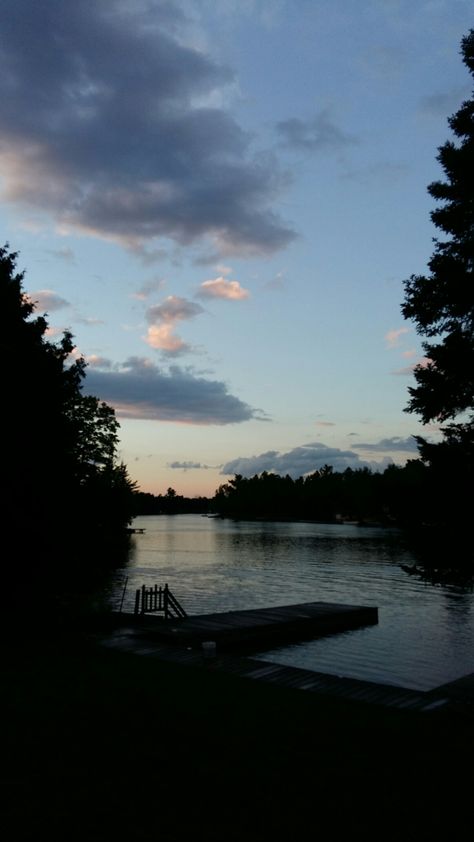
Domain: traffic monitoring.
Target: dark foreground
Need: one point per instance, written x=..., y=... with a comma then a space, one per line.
x=104, y=745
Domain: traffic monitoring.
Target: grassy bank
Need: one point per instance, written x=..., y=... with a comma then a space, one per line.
x=104, y=745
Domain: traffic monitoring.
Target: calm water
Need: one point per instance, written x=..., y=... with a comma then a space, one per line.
x=425, y=633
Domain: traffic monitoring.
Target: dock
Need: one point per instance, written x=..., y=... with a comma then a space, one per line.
x=256, y=628
x=204, y=641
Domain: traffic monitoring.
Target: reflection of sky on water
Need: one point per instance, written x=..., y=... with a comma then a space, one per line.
x=425, y=632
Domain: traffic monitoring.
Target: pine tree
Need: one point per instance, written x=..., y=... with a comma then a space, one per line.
x=442, y=306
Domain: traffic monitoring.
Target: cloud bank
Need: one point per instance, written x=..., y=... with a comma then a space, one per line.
x=299, y=461
x=107, y=125
x=140, y=389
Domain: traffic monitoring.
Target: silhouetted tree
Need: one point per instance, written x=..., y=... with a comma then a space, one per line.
x=58, y=474
x=442, y=303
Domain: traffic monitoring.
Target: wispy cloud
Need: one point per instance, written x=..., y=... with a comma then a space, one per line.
x=444, y=102
x=190, y=466
x=110, y=126
x=392, y=337
x=316, y=134
x=221, y=288
x=65, y=254
x=409, y=369
x=148, y=288
x=395, y=443
x=277, y=282
x=90, y=321
x=140, y=389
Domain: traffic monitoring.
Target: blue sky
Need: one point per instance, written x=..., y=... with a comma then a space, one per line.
x=221, y=200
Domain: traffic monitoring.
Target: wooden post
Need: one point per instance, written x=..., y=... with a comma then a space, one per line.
x=143, y=599
x=137, y=601
x=123, y=595
x=165, y=600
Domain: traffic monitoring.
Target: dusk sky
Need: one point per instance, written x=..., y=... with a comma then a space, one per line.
x=221, y=200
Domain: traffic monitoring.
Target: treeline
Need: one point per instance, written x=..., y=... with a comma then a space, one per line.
x=170, y=503
x=398, y=496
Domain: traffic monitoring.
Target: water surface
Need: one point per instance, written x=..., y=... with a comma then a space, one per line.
x=425, y=632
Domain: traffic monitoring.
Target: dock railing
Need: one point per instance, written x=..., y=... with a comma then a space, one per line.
x=158, y=600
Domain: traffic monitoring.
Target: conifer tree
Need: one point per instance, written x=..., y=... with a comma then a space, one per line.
x=442, y=306
x=442, y=303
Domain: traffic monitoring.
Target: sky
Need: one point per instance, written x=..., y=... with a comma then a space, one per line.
x=221, y=199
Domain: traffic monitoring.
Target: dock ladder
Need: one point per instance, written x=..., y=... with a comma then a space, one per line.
x=155, y=600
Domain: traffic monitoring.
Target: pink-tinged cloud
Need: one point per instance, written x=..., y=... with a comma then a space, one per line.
x=423, y=363
x=220, y=288
x=324, y=424
x=173, y=309
x=162, y=319
x=409, y=354
x=95, y=360
x=392, y=338
x=46, y=300
x=162, y=338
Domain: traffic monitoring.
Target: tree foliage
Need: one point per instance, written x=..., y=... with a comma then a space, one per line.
x=358, y=495
x=62, y=487
x=442, y=303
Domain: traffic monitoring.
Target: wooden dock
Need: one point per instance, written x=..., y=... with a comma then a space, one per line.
x=295, y=678
x=256, y=628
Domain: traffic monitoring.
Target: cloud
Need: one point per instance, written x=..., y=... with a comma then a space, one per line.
x=324, y=424
x=162, y=319
x=189, y=466
x=47, y=301
x=105, y=127
x=392, y=337
x=409, y=369
x=444, y=102
x=173, y=309
x=95, y=360
x=140, y=389
x=66, y=254
x=278, y=282
x=299, y=461
x=148, y=288
x=90, y=321
x=395, y=443
x=220, y=288
x=319, y=134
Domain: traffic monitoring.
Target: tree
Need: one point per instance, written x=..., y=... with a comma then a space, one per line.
x=58, y=474
x=442, y=306
x=442, y=303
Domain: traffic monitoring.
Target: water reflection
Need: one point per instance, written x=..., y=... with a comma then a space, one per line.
x=425, y=632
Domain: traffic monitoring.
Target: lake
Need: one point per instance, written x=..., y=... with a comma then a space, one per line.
x=425, y=633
